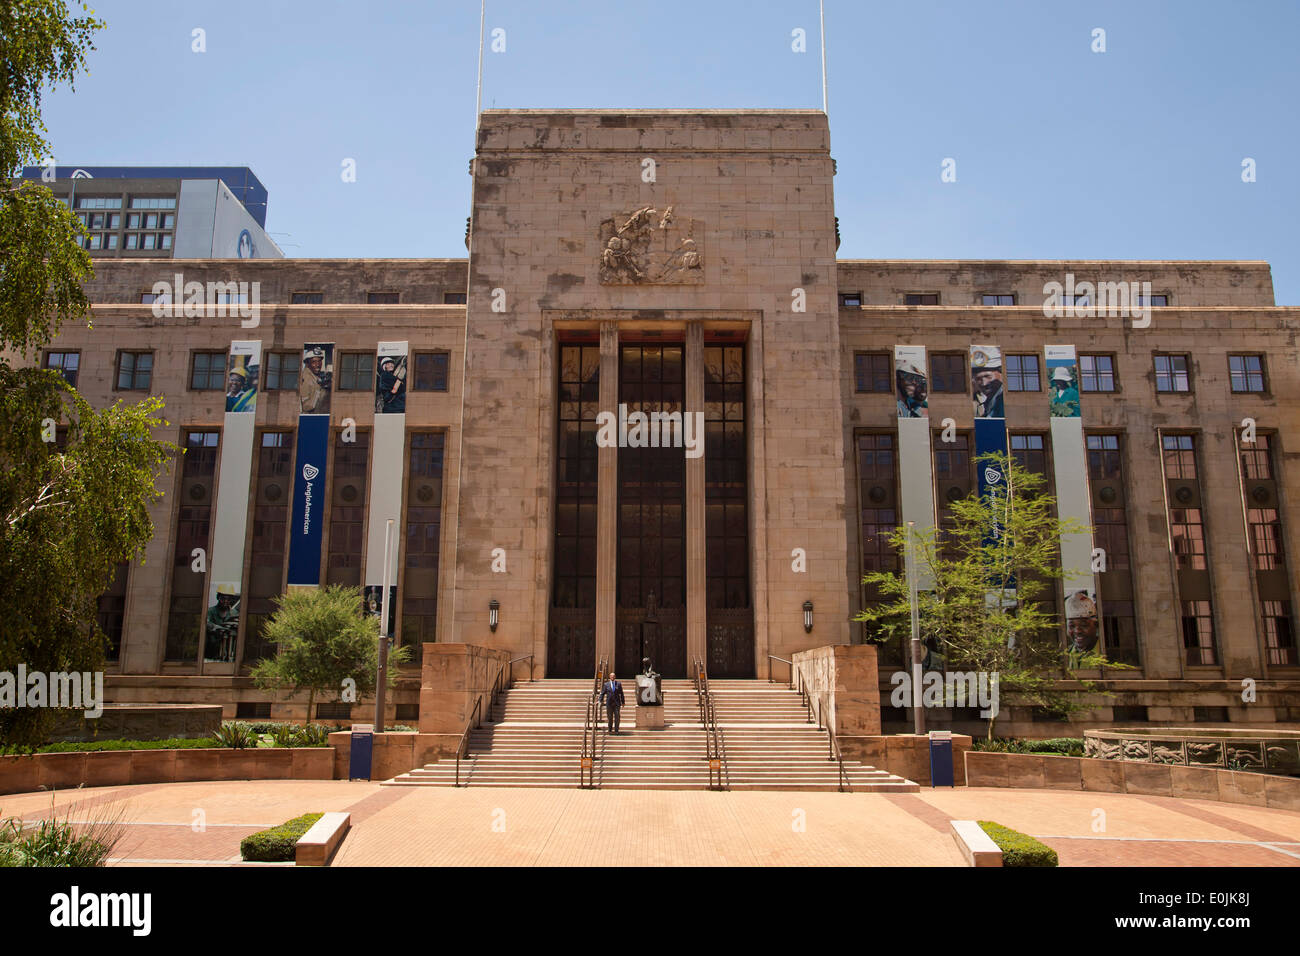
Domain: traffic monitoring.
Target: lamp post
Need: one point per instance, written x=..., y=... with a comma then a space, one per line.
x=918, y=714
x=381, y=680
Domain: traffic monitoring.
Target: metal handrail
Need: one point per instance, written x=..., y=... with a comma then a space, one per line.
x=770, y=678
x=476, y=715
x=714, y=746
x=591, y=728
x=832, y=742
x=516, y=660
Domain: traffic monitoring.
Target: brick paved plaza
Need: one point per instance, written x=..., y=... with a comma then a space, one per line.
x=394, y=826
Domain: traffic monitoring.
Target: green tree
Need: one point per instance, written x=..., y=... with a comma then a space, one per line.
x=1011, y=536
x=70, y=511
x=323, y=638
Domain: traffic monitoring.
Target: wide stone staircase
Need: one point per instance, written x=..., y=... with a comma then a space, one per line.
x=534, y=739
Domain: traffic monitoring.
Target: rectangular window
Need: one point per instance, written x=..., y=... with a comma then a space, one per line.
x=208, y=372
x=949, y=372
x=877, y=473
x=152, y=202
x=198, y=468
x=1160, y=300
x=110, y=611
x=921, y=298
x=99, y=202
x=1097, y=372
x=850, y=300
x=1180, y=456
x=1210, y=715
x=282, y=371
x=334, y=711
x=419, y=584
x=1279, y=637
x=347, y=529
x=382, y=298
x=1247, y=372
x=873, y=371
x=1129, y=713
x=148, y=241
x=66, y=362
x=112, y=241
x=269, y=540
x=1030, y=452
x=1172, y=374
x=307, y=298
x=132, y=240
x=1265, y=524
x=253, y=710
x=1119, y=627
x=1022, y=373
x=356, y=372
x=576, y=457
x=1198, y=633
x=997, y=299
x=430, y=372
x=453, y=298
x=134, y=371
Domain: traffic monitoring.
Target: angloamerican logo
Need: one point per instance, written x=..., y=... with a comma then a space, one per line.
x=309, y=472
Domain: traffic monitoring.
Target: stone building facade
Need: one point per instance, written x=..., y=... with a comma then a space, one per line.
x=669, y=263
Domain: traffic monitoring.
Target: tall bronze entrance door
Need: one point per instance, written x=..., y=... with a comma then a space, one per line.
x=651, y=615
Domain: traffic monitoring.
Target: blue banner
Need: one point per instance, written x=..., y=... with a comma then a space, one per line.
x=306, y=529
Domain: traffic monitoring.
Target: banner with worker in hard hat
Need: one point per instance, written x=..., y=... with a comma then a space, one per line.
x=1063, y=380
x=241, y=380
x=911, y=383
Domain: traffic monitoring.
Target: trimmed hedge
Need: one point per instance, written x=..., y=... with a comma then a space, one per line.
x=277, y=844
x=1019, y=849
x=1056, y=746
x=91, y=746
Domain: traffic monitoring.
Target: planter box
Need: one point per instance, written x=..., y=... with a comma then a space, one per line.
x=153, y=766
x=19, y=774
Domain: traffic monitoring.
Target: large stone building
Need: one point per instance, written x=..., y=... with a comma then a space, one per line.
x=685, y=262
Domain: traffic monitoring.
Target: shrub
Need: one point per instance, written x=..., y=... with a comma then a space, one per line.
x=59, y=842
x=313, y=735
x=1019, y=849
x=236, y=736
x=277, y=844
x=284, y=735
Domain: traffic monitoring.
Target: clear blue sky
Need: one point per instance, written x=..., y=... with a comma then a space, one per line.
x=1061, y=152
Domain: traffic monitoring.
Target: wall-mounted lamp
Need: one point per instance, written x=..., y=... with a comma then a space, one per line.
x=494, y=609
x=807, y=617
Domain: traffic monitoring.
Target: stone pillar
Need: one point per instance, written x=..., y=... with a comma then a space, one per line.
x=695, y=583
x=607, y=501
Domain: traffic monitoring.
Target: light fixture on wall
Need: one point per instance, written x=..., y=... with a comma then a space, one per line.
x=807, y=616
x=494, y=608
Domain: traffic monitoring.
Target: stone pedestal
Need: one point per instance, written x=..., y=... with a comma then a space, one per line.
x=650, y=718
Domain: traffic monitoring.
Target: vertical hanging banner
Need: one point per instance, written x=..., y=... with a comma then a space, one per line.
x=988, y=396
x=306, y=527
x=1069, y=457
x=392, y=362
x=916, y=482
x=230, y=519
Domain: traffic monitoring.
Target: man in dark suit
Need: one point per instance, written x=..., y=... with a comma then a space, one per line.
x=611, y=695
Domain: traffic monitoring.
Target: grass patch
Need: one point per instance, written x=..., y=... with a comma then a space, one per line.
x=1019, y=849
x=277, y=844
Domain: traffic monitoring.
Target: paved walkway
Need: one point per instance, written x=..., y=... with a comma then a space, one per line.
x=202, y=824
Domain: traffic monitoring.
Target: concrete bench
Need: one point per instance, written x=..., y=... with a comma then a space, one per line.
x=976, y=846
x=317, y=845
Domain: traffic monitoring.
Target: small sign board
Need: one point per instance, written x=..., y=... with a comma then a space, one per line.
x=359, y=753
x=715, y=764
x=586, y=763
x=941, y=774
